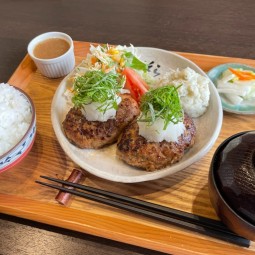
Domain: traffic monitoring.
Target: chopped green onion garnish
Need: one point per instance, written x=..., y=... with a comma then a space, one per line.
x=97, y=86
x=162, y=102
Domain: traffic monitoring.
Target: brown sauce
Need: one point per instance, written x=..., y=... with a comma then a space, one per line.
x=51, y=48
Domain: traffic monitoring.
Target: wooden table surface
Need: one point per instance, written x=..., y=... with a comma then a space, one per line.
x=215, y=28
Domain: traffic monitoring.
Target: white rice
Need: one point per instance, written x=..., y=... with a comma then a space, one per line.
x=194, y=90
x=15, y=117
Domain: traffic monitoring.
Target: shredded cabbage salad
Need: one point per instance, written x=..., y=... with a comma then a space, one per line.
x=113, y=58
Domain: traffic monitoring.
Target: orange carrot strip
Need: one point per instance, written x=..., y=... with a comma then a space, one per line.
x=242, y=75
x=93, y=60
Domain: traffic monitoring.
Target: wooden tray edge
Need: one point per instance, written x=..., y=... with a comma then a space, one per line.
x=18, y=206
x=98, y=225
x=27, y=68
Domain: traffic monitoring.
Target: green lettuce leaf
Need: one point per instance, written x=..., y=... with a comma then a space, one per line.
x=133, y=62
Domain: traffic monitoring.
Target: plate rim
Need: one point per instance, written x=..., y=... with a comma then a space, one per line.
x=158, y=173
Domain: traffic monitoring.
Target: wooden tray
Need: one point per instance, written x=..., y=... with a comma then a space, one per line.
x=186, y=190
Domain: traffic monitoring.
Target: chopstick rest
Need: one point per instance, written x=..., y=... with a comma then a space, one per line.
x=186, y=220
x=76, y=176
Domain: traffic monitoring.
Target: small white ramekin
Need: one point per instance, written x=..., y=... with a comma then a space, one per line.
x=55, y=67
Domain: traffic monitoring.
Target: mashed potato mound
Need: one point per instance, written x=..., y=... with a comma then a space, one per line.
x=194, y=90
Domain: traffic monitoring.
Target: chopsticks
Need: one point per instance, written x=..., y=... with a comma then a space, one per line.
x=179, y=218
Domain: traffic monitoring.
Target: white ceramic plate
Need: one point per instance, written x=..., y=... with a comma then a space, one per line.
x=105, y=164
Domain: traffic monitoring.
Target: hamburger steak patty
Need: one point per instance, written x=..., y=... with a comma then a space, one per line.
x=135, y=150
x=96, y=134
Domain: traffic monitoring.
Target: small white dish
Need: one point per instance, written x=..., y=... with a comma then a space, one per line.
x=104, y=162
x=54, y=67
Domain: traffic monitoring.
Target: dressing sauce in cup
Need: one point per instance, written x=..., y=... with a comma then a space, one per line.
x=51, y=48
x=53, y=54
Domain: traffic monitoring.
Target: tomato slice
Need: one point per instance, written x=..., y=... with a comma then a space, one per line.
x=135, y=84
